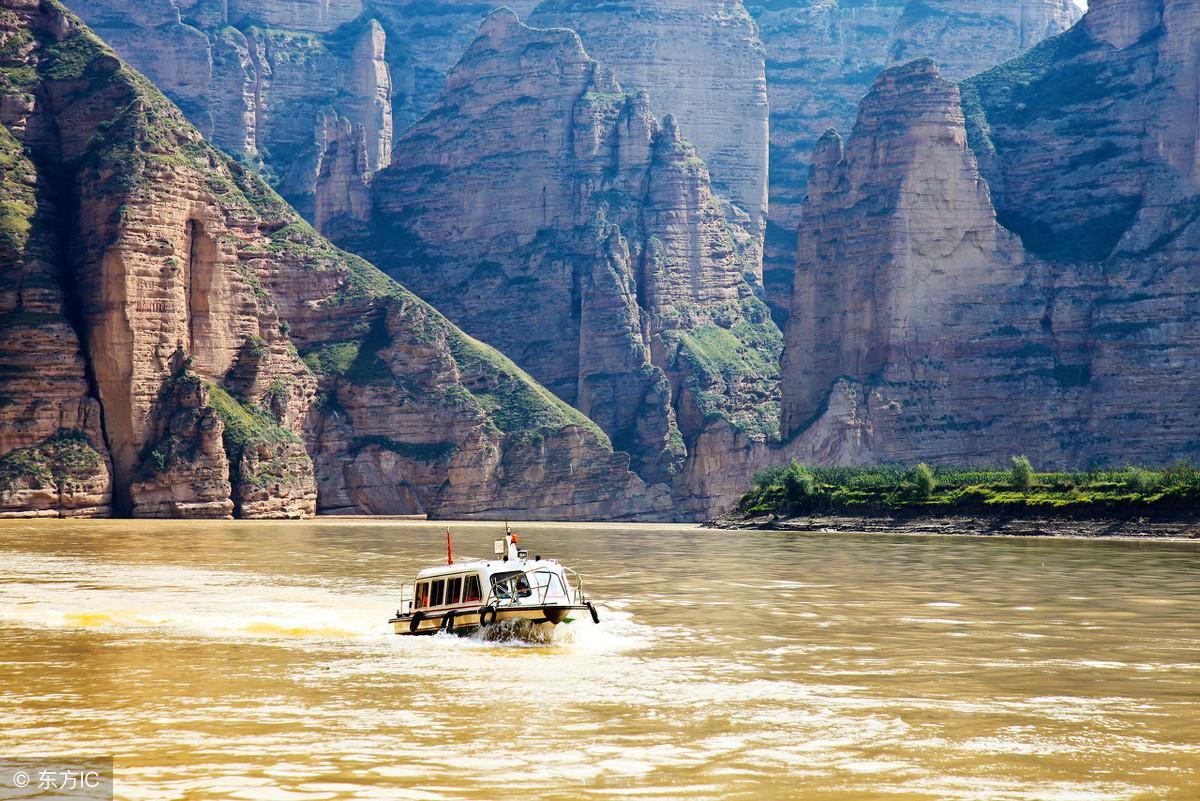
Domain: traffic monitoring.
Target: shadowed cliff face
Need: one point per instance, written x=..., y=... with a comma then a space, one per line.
x=927, y=326
x=548, y=212
x=701, y=62
x=823, y=56
x=171, y=304
x=49, y=417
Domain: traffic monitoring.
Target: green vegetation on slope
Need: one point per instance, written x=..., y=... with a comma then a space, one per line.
x=731, y=353
x=18, y=203
x=65, y=457
x=515, y=403
x=898, y=489
x=246, y=425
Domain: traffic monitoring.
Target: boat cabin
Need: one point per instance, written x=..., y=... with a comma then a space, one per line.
x=459, y=596
x=473, y=584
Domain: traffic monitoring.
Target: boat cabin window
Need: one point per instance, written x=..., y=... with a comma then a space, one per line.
x=506, y=585
x=421, y=598
x=471, y=589
x=453, y=590
x=436, y=592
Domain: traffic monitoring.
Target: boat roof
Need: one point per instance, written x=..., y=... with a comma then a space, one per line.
x=488, y=566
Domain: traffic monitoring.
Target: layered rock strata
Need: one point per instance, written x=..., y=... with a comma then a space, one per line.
x=173, y=309
x=822, y=58
x=311, y=92
x=701, y=62
x=548, y=212
x=274, y=82
x=1057, y=325
x=53, y=457
x=903, y=277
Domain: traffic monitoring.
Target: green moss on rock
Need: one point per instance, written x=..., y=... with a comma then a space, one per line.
x=245, y=425
x=65, y=457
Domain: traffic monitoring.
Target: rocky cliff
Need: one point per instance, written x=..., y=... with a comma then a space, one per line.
x=313, y=92
x=58, y=462
x=310, y=92
x=297, y=88
x=701, y=62
x=823, y=56
x=553, y=215
x=1016, y=278
x=175, y=339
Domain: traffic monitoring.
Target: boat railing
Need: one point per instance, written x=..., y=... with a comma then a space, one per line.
x=408, y=594
x=576, y=591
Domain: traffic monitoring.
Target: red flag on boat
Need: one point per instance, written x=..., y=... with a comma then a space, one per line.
x=449, y=550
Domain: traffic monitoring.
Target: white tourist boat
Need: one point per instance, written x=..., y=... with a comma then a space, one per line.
x=463, y=597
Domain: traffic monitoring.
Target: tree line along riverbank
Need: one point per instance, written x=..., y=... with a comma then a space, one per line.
x=1013, y=499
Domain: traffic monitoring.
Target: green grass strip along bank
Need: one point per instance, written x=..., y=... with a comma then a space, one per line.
x=948, y=490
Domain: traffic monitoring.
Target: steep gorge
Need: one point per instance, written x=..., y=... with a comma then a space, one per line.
x=822, y=57
x=168, y=295
x=701, y=62
x=310, y=92
x=550, y=213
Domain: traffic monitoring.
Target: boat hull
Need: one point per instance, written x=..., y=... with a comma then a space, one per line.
x=467, y=621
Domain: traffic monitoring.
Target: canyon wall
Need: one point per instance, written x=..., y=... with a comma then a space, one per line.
x=1008, y=267
x=176, y=341
x=310, y=92
x=701, y=62
x=548, y=212
x=59, y=463
x=289, y=87
x=823, y=56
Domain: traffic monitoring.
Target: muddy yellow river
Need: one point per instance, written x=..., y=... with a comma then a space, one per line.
x=254, y=661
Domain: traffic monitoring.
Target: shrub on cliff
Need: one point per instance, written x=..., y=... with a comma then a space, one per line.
x=1022, y=474
x=769, y=477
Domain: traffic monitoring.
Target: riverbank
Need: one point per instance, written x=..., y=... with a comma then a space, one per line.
x=1181, y=527
x=989, y=501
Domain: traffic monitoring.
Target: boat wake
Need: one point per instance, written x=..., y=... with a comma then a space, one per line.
x=194, y=602
x=523, y=632
x=617, y=633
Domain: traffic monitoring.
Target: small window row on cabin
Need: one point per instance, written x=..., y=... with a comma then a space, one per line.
x=448, y=591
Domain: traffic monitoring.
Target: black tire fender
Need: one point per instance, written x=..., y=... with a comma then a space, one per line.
x=415, y=623
x=448, y=622
x=487, y=616
x=595, y=614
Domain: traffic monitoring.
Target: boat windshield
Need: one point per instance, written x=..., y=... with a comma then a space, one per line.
x=511, y=584
x=549, y=585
